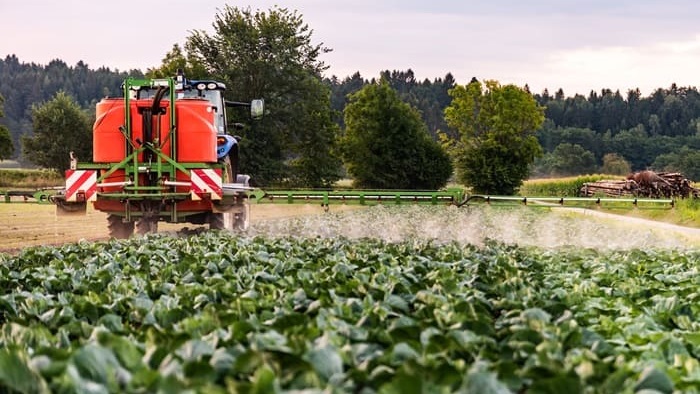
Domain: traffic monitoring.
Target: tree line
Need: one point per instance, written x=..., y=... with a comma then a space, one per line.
x=304, y=139
x=23, y=85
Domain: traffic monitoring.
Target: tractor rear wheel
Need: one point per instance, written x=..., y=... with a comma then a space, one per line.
x=224, y=221
x=118, y=228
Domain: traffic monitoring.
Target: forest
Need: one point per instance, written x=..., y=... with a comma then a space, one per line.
x=606, y=131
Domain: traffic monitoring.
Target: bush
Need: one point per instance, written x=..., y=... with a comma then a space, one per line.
x=386, y=144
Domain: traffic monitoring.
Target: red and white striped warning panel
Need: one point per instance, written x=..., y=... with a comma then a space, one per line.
x=81, y=185
x=206, y=181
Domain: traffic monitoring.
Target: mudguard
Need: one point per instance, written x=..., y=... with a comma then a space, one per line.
x=224, y=143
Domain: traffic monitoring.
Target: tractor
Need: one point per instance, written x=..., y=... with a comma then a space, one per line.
x=162, y=152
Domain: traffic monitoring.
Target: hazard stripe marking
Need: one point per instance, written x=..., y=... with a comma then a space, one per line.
x=81, y=180
x=206, y=181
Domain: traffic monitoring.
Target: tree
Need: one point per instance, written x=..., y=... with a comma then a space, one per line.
x=497, y=142
x=572, y=159
x=615, y=164
x=6, y=147
x=685, y=161
x=176, y=60
x=387, y=145
x=270, y=55
x=60, y=127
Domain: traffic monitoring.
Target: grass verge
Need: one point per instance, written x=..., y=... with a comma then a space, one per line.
x=686, y=212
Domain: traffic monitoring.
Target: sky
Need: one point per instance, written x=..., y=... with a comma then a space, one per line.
x=578, y=46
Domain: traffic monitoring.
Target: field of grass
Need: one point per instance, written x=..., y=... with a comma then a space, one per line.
x=686, y=212
x=29, y=179
x=560, y=187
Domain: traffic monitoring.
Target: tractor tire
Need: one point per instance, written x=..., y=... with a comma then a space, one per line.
x=146, y=226
x=118, y=228
x=228, y=174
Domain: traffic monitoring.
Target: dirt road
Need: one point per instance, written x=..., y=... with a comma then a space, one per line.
x=24, y=225
x=687, y=235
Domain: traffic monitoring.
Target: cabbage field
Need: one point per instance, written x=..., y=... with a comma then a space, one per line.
x=433, y=303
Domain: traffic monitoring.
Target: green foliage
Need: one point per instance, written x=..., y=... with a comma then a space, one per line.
x=60, y=127
x=29, y=84
x=496, y=142
x=6, y=146
x=568, y=159
x=685, y=161
x=429, y=97
x=615, y=164
x=270, y=55
x=386, y=144
x=17, y=178
x=221, y=313
x=176, y=60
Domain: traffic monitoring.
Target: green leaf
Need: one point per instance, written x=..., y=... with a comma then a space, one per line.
x=653, y=379
x=264, y=382
x=112, y=322
x=98, y=364
x=483, y=383
x=570, y=384
x=401, y=353
x=194, y=349
x=16, y=375
x=326, y=361
x=403, y=383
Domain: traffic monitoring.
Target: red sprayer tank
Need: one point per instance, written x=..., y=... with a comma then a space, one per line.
x=195, y=134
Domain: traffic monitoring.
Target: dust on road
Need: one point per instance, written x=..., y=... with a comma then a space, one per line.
x=25, y=225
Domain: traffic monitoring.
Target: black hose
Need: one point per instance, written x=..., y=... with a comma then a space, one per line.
x=466, y=200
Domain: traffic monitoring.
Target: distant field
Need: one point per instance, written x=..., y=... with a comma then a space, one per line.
x=9, y=164
x=685, y=213
x=29, y=179
x=561, y=187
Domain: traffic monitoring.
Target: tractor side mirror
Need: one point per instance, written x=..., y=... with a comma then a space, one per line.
x=257, y=108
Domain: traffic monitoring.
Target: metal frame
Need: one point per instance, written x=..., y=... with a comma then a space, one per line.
x=161, y=164
x=452, y=196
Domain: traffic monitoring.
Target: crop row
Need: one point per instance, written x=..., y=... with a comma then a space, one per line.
x=215, y=313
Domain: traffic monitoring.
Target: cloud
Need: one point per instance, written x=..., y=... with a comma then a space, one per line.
x=647, y=67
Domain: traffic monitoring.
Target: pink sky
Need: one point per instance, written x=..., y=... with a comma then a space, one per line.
x=552, y=44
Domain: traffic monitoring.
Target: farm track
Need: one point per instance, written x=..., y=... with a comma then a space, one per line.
x=26, y=225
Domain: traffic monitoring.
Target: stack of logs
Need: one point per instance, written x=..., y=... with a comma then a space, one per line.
x=643, y=184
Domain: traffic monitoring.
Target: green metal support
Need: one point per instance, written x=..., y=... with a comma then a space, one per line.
x=453, y=196
x=357, y=197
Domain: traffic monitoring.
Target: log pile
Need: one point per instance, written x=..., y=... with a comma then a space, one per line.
x=643, y=184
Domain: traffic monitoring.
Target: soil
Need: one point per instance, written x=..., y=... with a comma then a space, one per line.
x=25, y=225
x=28, y=224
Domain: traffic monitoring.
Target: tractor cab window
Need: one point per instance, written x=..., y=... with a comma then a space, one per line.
x=217, y=101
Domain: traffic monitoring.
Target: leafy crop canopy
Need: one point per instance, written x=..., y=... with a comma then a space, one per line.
x=214, y=313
